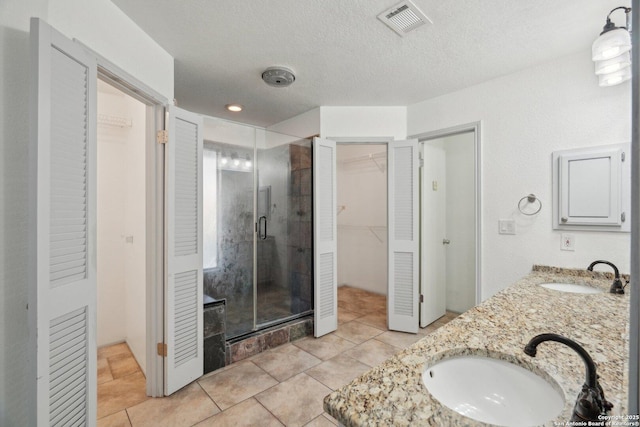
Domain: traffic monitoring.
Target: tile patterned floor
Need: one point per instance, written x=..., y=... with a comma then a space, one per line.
x=284, y=386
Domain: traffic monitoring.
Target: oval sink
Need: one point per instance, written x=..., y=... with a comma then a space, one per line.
x=571, y=288
x=493, y=391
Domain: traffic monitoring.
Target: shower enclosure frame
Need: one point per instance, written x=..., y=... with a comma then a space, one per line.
x=263, y=205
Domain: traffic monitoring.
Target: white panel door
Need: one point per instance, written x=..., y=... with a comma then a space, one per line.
x=183, y=250
x=433, y=231
x=325, y=261
x=64, y=295
x=403, y=219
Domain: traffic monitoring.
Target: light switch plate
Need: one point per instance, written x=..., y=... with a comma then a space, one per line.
x=567, y=242
x=507, y=226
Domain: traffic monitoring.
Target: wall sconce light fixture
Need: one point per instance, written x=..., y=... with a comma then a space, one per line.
x=611, y=51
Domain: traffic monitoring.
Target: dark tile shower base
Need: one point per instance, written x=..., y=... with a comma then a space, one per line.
x=244, y=347
x=274, y=302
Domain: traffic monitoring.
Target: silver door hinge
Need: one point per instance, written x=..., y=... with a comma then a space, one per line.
x=162, y=137
x=162, y=349
x=623, y=217
x=421, y=163
x=421, y=298
x=622, y=156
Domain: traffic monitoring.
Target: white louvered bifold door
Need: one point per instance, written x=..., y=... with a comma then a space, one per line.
x=64, y=294
x=183, y=232
x=325, y=247
x=402, y=298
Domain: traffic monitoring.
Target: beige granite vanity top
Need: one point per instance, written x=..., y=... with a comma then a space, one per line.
x=392, y=394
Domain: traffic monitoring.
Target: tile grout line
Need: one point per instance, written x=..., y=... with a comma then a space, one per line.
x=126, y=411
x=267, y=409
x=210, y=398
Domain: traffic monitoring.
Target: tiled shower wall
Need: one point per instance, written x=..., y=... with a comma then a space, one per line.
x=300, y=243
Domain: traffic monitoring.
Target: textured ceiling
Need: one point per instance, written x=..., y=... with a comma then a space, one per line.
x=342, y=55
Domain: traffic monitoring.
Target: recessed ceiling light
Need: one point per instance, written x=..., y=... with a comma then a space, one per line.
x=235, y=108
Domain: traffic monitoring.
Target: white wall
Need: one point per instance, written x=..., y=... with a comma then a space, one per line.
x=102, y=26
x=16, y=350
x=303, y=125
x=220, y=130
x=363, y=122
x=135, y=255
x=121, y=277
x=362, y=225
x=525, y=116
x=111, y=201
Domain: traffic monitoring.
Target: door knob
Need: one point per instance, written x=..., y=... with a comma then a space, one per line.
x=446, y=241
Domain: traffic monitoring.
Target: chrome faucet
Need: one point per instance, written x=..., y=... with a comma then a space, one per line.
x=590, y=402
x=616, y=287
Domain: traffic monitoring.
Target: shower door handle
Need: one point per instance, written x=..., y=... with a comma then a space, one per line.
x=262, y=235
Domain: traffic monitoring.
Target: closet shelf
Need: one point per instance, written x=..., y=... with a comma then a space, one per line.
x=114, y=121
x=379, y=159
x=376, y=230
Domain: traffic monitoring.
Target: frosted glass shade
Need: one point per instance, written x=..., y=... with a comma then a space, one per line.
x=614, y=64
x=611, y=44
x=618, y=77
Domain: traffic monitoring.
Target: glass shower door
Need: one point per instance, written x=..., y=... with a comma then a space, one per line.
x=257, y=229
x=229, y=231
x=284, y=252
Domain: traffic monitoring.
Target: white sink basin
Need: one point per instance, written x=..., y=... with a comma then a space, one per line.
x=571, y=288
x=493, y=391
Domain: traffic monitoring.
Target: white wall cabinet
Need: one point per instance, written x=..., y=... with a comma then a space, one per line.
x=591, y=189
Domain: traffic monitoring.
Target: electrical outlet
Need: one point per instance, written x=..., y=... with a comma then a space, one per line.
x=567, y=242
x=507, y=226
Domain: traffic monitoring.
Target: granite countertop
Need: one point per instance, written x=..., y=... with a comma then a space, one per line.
x=393, y=394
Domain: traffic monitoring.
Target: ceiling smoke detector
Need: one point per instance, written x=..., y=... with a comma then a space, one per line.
x=404, y=17
x=278, y=76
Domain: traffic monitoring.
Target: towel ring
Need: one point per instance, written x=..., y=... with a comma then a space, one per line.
x=531, y=198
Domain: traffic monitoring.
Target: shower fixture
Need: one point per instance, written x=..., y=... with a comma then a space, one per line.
x=278, y=76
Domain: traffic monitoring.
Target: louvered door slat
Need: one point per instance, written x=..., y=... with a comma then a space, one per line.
x=68, y=158
x=403, y=193
x=68, y=354
x=325, y=284
x=403, y=281
x=186, y=188
x=186, y=318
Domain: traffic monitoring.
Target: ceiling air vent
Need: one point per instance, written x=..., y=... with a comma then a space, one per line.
x=404, y=17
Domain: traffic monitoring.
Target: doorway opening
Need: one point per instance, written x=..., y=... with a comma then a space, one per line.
x=129, y=117
x=121, y=247
x=450, y=222
x=361, y=184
